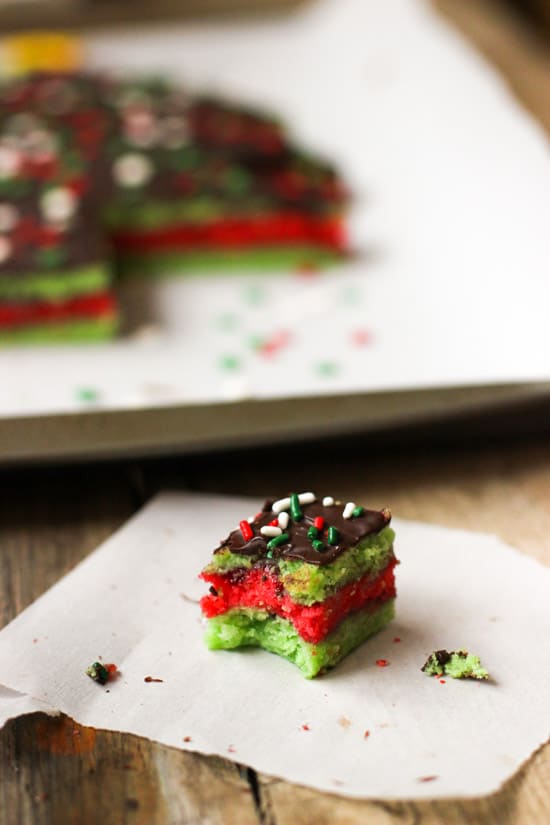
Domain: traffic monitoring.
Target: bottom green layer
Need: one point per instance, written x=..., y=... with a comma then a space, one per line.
x=57, y=333
x=206, y=260
x=248, y=627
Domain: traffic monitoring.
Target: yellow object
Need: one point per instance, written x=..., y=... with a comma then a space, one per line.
x=41, y=52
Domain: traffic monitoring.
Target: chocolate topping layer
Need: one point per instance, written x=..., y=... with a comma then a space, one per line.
x=299, y=545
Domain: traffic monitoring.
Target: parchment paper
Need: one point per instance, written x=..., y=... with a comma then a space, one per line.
x=133, y=602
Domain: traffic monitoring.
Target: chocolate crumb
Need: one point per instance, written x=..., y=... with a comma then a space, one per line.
x=212, y=590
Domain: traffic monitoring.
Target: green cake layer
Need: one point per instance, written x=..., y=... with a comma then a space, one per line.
x=309, y=583
x=457, y=664
x=220, y=260
x=248, y=627
x=51, y=286
x=86, y=331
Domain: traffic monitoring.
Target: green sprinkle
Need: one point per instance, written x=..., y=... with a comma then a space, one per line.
x=327, y=368
x=358, y=511
x=87, y=394
x=319, y=546
x=227, y=321
x=98, y=673
x=295, y=509
x=229, y=362
x=333, y=535
x=312, y=533
x=277, y=540
x=269, y=554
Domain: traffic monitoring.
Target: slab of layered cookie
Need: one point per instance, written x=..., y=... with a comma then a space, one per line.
x=308, y=578
x=101, y=173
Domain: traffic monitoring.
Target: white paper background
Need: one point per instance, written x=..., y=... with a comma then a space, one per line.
x=456, y=589
x=452, y=185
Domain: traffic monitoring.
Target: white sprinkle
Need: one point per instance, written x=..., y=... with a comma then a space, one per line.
x=328, y=501
x=9, y=216
x=132, y=169
x=348, y=509
x=279, y=506
x=283, y=520
x=270, y=531
x=306, y=498
x=10, y=162
x=250, y=519
x=58, y=205
x=5, y=248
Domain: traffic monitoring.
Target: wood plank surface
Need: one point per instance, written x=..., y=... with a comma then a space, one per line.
x=57, y=772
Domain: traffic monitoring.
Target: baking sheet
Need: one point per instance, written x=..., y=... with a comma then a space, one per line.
x=362, y=730
x=449, y=288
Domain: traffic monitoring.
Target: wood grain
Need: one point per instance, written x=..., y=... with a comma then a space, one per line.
x=55, y=771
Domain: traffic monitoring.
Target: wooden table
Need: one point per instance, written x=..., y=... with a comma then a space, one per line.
x=56, y=772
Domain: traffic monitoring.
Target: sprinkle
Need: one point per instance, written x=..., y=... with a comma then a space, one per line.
x=348, y=509
x=10, y=162
x=270, y=531
x=333, y=535
x=246, y=530
x=87, y=394
x=366, y=734
x=319, y=522
x=305, y=727
x=277, y=540
x=231, y=749
x=427, y=778
x=442, y=682
x=358, y=511
x=361, y=337
x=319, y=546
x=280, y=505
x=382, y=662
x=269, y=554
x=132, y=169
x=295, y=509
x=328, y=501
x=397, y=639
x=283, y=520
x=58, y=205
x=251, y=519
x=152, y=679
x=212, y=590
x=187, y=739
x=326, y=368
x=274, y=523
x=229, y=362
x=312, y=533
x=306, y=498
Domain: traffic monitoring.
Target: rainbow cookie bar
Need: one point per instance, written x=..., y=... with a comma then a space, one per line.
x=307, y=578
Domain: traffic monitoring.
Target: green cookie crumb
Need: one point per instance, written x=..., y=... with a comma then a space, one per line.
x=458, y=664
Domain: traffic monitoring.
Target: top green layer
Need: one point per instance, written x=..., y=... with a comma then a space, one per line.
x=308, y=583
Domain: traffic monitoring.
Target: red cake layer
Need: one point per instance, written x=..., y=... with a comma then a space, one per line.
x=259, y=588
x=14, y=315
x=238, y=232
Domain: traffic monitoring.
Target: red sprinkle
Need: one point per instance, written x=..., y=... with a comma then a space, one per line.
x=361, y=337
x=232, y=749
x=152, y=679
x=382, y=662
x=305, y=727
x=246, y=530
x=187, y=739
x=397, y=639
x=366, y=734
x=274, y=523
x=319, y=522
x=442, y=681
x=427, y=778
